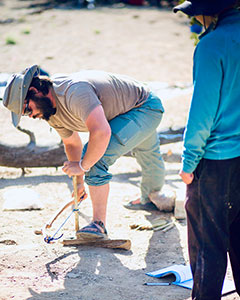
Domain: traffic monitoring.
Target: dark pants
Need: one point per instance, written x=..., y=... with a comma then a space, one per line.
x=213, y=219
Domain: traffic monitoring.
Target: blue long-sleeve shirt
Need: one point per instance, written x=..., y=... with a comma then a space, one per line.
x=213, y=127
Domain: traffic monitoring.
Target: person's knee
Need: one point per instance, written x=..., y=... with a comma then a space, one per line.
x=98, y=174
x=97, y=180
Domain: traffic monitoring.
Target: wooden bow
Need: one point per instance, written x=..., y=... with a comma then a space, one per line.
x=76, y=201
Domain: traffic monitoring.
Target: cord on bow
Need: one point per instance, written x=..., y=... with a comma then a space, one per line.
x=50, y=239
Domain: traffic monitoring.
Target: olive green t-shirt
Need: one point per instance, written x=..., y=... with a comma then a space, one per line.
x=79, y=93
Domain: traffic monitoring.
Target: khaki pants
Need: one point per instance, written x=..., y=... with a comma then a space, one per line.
x=134, y=131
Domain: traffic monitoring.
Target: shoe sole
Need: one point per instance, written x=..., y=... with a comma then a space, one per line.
x=91, y=236
x=151, y=207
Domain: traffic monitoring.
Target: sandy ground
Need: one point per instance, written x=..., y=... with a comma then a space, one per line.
x=147, y=43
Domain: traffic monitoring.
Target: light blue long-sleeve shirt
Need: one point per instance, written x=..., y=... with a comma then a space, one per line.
x=213, y=127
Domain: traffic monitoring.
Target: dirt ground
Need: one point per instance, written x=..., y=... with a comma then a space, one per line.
x=149, y=44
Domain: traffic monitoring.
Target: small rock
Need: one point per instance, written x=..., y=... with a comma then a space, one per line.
x=21, y=199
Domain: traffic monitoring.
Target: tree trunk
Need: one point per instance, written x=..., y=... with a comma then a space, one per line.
x=32, y=156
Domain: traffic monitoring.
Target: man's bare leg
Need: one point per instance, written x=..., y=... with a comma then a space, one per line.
x=99, y=197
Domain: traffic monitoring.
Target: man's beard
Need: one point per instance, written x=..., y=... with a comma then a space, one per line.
x=45, y=106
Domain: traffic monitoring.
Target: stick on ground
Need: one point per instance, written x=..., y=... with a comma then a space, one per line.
x=113, y=244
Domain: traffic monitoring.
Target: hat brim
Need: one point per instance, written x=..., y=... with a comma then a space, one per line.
x=27, y=79
x=206, y=7
x=186, y=7
x=15, y=119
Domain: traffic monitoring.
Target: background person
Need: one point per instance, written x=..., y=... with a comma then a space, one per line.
x=211, y=157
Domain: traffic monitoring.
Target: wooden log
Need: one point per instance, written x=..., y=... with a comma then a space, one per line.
x=110, y=243
x=170, y=135
x=33, y=156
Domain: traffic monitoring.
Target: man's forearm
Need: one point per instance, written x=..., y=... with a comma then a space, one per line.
x=73, y=149
x=99, y=137
x=73, y=153
x=97, y=145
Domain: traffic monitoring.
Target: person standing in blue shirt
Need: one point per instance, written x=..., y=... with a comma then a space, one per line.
x=211, y=156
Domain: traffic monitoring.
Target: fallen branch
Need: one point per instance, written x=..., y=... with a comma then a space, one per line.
x=24, y=157
x=33, y=156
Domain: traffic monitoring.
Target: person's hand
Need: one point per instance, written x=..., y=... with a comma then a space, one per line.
x=186, y=177
x=82, y=195
x=72, y=168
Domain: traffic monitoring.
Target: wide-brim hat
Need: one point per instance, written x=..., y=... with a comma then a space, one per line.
x=16, y=91
x=203, y=7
